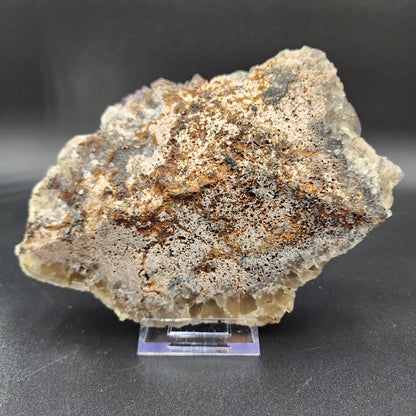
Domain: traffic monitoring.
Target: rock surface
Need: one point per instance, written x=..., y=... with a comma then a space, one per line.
x=214, y=198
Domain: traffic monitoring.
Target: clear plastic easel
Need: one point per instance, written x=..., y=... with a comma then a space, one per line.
x=190, y=337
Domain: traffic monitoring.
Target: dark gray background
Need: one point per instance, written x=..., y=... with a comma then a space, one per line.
x=65, y=61
x=349, y=345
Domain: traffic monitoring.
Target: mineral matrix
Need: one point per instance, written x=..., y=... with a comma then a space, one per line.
x=211, y=199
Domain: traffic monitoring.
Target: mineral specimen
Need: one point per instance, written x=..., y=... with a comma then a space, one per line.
x=211, y=199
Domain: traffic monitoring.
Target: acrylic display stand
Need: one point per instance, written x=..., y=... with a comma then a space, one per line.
x=198, y=337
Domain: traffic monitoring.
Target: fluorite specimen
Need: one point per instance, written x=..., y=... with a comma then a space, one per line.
x=211, y=199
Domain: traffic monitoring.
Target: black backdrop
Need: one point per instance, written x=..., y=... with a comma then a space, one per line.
x=63, y=62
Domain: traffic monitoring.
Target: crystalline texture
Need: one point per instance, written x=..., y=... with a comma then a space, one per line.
x=214, y=198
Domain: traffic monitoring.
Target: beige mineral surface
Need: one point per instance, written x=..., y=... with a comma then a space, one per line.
x=211, y=198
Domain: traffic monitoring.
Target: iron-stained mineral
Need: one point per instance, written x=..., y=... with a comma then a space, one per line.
x=211, y=198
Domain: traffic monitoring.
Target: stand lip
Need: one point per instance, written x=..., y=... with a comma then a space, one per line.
x=226, y=320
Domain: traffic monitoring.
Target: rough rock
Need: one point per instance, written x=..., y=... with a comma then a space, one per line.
x=211, y=199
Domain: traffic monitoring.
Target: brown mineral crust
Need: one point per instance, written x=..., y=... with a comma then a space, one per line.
x=211, y=198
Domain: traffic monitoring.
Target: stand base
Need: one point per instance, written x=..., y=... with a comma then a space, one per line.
x=198, y=337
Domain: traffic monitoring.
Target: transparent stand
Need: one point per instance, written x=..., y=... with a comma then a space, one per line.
x=198, y=337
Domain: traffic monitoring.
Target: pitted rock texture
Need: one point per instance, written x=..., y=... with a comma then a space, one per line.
x=211, y=199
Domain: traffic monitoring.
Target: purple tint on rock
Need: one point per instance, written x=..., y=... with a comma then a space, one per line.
x=135, y=95
x=357, y=127
x=125, y=99
x=357, y=123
